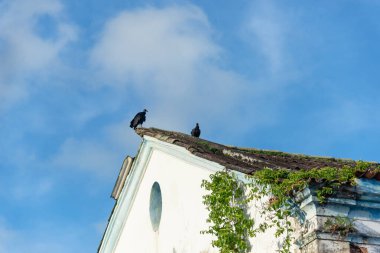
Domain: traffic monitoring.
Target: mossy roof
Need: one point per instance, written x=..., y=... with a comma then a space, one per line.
x=248, y=160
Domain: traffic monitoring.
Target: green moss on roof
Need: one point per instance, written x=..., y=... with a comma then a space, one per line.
x=292, y=155
x=245, y=160
x=206, y=145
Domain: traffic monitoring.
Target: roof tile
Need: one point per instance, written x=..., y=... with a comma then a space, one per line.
x=248, y=160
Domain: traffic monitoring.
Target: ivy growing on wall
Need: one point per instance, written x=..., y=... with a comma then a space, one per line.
x=229, y=198
x=227, y=206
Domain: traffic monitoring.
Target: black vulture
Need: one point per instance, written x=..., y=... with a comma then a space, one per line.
x=138, y=119
x=196, y=132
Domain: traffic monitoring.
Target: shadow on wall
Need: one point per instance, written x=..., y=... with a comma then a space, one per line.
x=356, y=249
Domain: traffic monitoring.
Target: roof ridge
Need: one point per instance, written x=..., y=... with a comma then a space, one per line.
x=245, y=160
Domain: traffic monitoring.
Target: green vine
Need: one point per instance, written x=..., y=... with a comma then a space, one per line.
x=339, y=225
x=229, y=198
x=286, y=183
x=227, y=207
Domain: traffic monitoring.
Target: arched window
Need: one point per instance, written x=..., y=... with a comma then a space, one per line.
x=155, y=207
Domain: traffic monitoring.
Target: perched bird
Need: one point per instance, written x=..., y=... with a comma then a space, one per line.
x=138, y=119
x=196, y=132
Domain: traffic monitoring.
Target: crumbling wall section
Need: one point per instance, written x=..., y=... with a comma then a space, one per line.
x=359, y=206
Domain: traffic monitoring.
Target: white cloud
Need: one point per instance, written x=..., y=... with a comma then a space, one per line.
x=25, y=52
x=268, y=30
x=167, y=58
x=32, y=190
x=87, y=155
x=156, y=44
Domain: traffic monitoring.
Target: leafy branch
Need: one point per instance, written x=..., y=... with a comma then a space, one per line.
x=227, y=207
x=229, y=198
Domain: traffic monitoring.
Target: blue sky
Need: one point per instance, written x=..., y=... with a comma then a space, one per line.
x=296, y=76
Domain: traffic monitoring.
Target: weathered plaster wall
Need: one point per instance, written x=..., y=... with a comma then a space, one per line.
x=183, y=214
x=361, y=204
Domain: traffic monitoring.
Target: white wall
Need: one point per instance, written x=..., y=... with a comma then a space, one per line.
x=183, y=214
x=179, y=174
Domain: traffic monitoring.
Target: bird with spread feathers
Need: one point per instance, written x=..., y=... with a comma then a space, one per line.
x=139, y=119
x=196, y=132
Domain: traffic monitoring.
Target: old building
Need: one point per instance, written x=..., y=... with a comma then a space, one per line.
x=159, y=199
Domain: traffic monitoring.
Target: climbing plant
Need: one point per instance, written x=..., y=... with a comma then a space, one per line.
x=227, y=206
x=339, y=225
x=228, y=200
